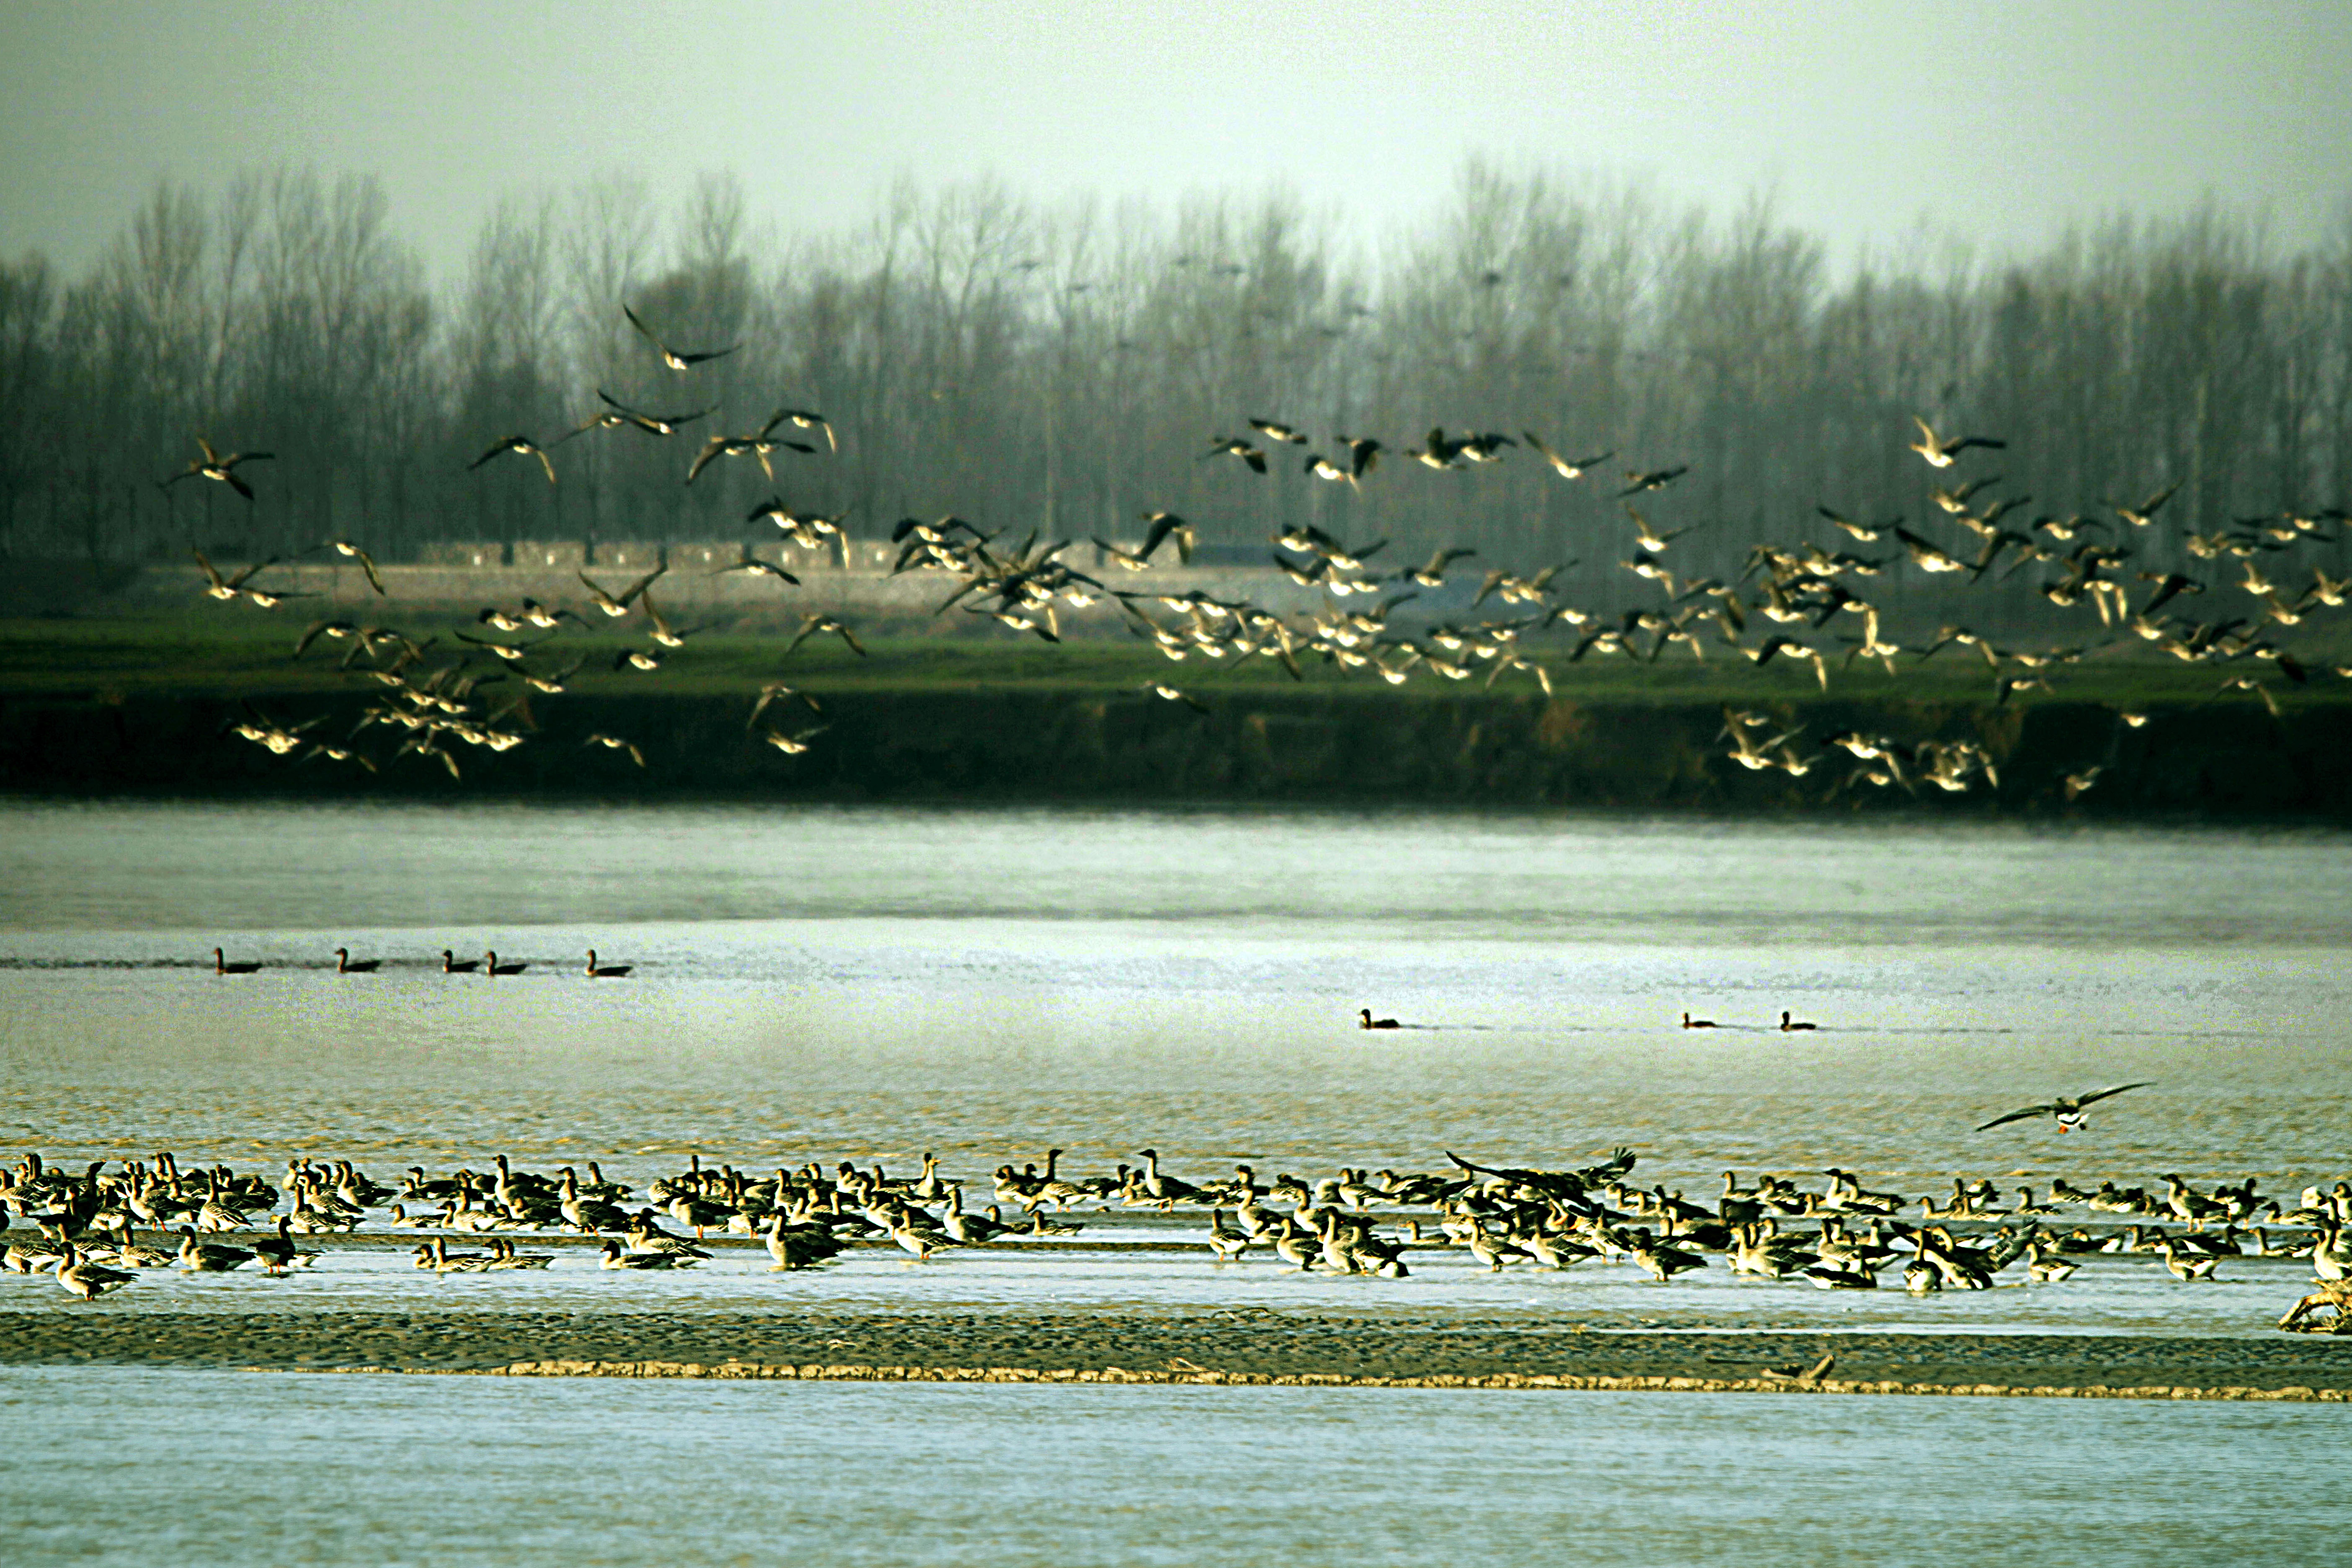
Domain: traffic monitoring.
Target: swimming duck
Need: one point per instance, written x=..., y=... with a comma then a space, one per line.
x=452, y=964
x=221, y=965
x=343, y=964
x=1691, y=1022
x=605, y=972
x=1789, y=1025
x=1364, y=1020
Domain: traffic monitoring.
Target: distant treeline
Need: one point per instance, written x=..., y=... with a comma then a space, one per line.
x=1065, y=367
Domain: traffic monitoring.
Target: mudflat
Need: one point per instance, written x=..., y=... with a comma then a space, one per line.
x=1245, y=1344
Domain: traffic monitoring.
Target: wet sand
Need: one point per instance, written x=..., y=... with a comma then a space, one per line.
x=1238, y=1346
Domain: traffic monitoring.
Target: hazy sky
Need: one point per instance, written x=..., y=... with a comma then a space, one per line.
x=1997, y=120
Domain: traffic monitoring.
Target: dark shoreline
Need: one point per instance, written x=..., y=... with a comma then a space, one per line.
x=1353, y=749
x=1245, y=1346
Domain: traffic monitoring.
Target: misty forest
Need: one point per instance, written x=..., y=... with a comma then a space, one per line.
x=1065, y=367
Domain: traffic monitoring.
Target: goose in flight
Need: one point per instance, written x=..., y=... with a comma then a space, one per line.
x=1432, y=575
x=614, y=742
x=1867, y=532
x=670, y=356
x=617, y=606
x=213, y=466
x=1928, y=556
x=367, y=563
x=808, y=419
x=1234, y=446
x=1323, y=468
x=1274, y=430
x=775, y=690
x=1167, y=525
x=219, y=587
x=2140, y=516
x=1651, y=539
x=1161, y=689
x=1940, y=453
x=1655, y=479
x=1566, y=468
x=1364, y=1020
x=793, y=745
x=520, y=445
x=1363, y=453
x=651, y=424
x=751, y=563
x=605, y=970
x=2069, y=1111
x=821, y=624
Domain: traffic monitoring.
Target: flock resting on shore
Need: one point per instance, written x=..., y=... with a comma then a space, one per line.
x=1841, y=1237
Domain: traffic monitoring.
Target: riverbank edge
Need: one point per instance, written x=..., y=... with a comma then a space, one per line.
x=853, y=1371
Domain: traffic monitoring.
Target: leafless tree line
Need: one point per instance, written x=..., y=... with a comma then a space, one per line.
x=1063, y=368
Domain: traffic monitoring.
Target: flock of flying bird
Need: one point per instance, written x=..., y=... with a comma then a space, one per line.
x=1786, y=595
x=86, y=1224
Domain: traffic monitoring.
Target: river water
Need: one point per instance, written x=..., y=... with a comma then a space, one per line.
x=872, y=985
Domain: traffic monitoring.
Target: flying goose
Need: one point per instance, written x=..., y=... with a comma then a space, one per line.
x=615, y=744
x=651, y=424
x=1655, y=480
x=1230, y=446
x=213, y=466
x=670, y=356
x=1940, y=453
x=521, y=446
x=1566, y=468
x=221, y=587
x=794, y=744
x=617, y=606
x=2069, y=1111
x=367, y=563
x=824, y=624
x=2140, y=516
x=1274, y=430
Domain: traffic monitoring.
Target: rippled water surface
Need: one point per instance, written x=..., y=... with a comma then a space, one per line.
x=872, y=984
x=462, y=1470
